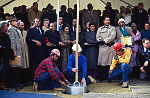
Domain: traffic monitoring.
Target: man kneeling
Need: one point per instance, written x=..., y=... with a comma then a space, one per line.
x=47, y=75
x=119, y=68
x=82, y=68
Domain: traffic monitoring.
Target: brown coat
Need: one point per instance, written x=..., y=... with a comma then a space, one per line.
x=106, y=52
x=86, y=18
x=65, y=51
x=24, y=46
x=32, y=15
x=119, y=34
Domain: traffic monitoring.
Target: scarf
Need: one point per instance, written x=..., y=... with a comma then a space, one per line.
x=124, y=32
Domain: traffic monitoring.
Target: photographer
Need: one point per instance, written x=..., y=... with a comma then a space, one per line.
x=119, y=68
x=142, y=58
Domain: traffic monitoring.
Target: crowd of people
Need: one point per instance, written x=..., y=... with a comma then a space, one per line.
x=47, y=56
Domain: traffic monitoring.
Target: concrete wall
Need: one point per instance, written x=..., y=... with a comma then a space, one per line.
x=83, y=3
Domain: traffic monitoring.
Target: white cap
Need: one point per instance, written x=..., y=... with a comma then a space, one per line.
x=121, y=19
x=74, y=48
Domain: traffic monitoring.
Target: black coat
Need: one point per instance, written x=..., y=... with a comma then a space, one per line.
x=49, y=15
x=141, y=57
x=5, y=50
x=67, y=18
x=36, y=53
x=54, y=38
x=141, y=19
x=82, y=40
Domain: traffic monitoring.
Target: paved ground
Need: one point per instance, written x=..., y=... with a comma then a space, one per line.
x=137, y=89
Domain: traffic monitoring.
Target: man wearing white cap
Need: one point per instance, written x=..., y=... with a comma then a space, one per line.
x=82, y=68
x=123, y=30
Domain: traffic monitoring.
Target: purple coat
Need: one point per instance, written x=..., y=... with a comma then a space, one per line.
x=135, y=47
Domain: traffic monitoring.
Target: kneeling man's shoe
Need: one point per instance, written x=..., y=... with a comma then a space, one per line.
x=92, y=79
x=35, y=86
x=125, y=85
x=59, y=89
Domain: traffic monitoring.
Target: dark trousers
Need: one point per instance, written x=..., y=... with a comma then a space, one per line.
x=15, y=77
x=70, y=75
x=45, y=82
x=104, y=72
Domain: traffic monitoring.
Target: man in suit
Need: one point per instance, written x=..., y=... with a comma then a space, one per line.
x=141, y=17
x=34, y=13
x=142, y=59
x=90, y=16
x=36, y=43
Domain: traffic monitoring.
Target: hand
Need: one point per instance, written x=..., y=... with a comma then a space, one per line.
x=15, y=54
x=83, y=81
x=142, y=70
x=49, y=44
x=110, y=72
x=74, y=42
x=63, y=84
x=67, y=82
x=85, y=43
x=101, y=42
x=62, y=44
x=74, y=69
x=38, y=43
x=146, y=63
x=116, y=57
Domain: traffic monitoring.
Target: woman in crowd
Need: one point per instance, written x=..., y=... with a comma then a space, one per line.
x=5, y=53
x=92, y=51
x=137, y=40
x=66, y=49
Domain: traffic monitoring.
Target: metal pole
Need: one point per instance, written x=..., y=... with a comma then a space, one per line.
x=57, y=15
x=77, y=34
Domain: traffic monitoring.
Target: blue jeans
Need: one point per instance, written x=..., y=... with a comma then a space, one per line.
x=70, y=75
x=46, y=82
x=121, y=73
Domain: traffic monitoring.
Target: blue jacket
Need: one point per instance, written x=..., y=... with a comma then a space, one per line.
x=145, y=34
x=82, y=64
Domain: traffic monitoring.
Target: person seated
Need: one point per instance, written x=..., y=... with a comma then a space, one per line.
x=82, y=68
x=119, y=68
x=48, y=76
x=142, y=58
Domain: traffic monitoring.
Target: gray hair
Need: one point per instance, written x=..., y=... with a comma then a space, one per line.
x=19, y=21
x=133, y=24
x=45, y=20
x=34, y=20
x=2, y=24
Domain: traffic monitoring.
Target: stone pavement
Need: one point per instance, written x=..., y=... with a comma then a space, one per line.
x=137, y=89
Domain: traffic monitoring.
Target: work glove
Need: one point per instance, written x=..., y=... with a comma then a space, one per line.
x=101, y=42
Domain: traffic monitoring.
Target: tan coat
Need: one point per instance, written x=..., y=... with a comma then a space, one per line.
x=32, y=15
x=45, y=29
x=24, y=46
x=106, y=53
x=119, y=34
x=86, y=18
